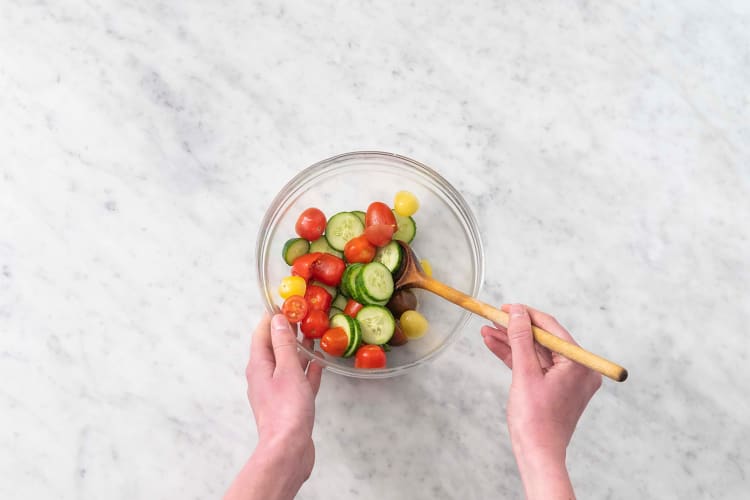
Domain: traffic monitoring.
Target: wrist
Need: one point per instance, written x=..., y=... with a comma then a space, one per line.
x=543, y=472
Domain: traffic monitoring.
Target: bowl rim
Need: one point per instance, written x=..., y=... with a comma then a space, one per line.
x=469, y=221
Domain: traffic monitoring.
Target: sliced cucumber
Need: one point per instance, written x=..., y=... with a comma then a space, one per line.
x=341, y=228
x=350, y=284
x=344, y=286
x=334, y=311
x=294, y=248
x=321, y=245
x=374, y=283
x=390, y=256
x=339, y=302
x=352, y=329
x=407, y=228
x=360, y=214
x=332, y=291
x=377, y=324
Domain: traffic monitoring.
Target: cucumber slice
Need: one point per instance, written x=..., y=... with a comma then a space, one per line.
x=374, y=283
x=344, y=286
x=390, y=256
x=334, y=311
x=360, y=214
x=341, y=228
x=332, y=291
x=351, y=281
x=296, y=247
x=321, y=245
x=352, y=329
x=339, y=302
x=407, y=228
x=377, y=324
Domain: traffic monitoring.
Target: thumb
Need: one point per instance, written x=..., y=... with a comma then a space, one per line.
x=525, y=362
x=284, y=346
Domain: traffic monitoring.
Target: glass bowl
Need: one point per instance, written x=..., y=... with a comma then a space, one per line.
x=447, y=236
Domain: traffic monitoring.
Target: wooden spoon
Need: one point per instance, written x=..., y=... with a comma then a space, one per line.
x=411, y=275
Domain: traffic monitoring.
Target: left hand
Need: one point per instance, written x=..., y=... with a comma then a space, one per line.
x=282, y=385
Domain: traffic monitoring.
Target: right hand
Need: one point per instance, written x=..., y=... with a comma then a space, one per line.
x=548, y=392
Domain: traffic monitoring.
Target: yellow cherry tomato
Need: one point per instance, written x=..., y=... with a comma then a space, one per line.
x=292, y=285
x=413, y=324
x=426, y=267
x=405, y=203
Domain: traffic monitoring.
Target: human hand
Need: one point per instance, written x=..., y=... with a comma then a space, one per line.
x=547, y=396
x=282, y=386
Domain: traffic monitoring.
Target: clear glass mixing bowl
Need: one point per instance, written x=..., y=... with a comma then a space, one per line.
x=447, y=236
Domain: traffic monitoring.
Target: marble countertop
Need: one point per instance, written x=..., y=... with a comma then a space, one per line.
x=604, y=149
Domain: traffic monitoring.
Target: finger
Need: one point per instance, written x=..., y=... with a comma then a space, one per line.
x=549, y=323
x=314, y=373
x=544, y=354
x=261, y=351
x=498, y=348
x=498, y=333
x=284, y=346
x=521, y=341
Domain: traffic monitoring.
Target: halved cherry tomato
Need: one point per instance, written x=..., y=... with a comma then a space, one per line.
x=311, y=224
x=315, y=324
x=328, y=269
x=302, y=267
x=352, y=308
x=379, y=213
x=359, y=250
x=295, y=308
x=318, y=298
x=379, y=234
x=334, y=341
x=370, y=356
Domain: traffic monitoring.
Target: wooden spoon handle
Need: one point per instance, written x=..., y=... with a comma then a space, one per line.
x=545, y=338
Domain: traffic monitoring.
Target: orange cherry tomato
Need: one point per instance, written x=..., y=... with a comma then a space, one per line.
x=370, y=356
x=334, y=341
x=295, y=308
x=359, y=250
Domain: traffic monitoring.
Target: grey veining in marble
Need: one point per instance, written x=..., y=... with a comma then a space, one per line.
x=604, y=147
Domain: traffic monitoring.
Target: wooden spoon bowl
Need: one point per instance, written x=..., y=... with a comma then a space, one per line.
x=411, y=275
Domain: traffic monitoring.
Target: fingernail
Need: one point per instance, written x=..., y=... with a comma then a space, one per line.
x=279, y=323
x=516, y=311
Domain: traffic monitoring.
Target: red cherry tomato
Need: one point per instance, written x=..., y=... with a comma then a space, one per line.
x=352, y=308
x=303, y=265
x=379, y=234
x=370, y=356
x=318, y=299
x=328, y=269
x=359, y=250
x=334, y=342
x=379, y=213
x=311, y=224
x=295, y=308
x=315, y=324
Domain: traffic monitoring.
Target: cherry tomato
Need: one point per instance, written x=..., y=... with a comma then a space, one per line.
x=334, y=341
x=315, y=324
x=426, y=267
x=414, y=324
x=370, y=356
x=399, y=337
x=295, y=308
x=302, y=266
x=318, y=298
x=359, y=250
x=405, y=203
x=291, y=285
x=328, y=269
x=379, y=213
x=379, y=234
x=311, y=224
x=352, y=308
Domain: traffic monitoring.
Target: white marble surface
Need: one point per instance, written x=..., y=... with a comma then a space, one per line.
x=604, y=149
